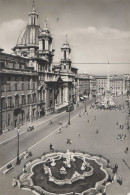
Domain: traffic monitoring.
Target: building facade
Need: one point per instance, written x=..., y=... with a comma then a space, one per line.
x=101, y=84
x=83, y=86
x=31, y=86
x=115, y=83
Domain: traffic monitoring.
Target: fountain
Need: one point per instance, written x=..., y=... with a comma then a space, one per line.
x=71, y=171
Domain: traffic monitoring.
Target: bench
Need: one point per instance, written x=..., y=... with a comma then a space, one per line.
x=7, y=170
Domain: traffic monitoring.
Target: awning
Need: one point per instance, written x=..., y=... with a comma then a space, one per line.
x=81, y=98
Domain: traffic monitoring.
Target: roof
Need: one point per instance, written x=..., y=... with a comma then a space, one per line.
x=29, y=36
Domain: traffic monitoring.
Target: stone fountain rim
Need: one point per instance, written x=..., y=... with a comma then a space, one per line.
x=94, y=157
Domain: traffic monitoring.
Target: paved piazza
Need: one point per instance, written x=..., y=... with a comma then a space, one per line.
x=84, y=137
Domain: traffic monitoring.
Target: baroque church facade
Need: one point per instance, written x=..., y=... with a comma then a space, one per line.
x=31, y=86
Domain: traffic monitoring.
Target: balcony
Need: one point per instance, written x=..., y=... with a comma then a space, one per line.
x=41, y=102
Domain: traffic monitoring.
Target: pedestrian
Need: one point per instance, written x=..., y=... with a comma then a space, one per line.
x=24, y=169
x=59, y=131
x=60, y=122
x=119, y=180
x=51, y=146
x=116, y=168
x=79, y=134
x=126, y=151
x=97, y=131
x=117, y=123
x=50, y=121
x=14, y=182
x=88, y=121
x=68, y=141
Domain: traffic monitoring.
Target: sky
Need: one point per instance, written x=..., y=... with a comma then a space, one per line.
x=98, y=31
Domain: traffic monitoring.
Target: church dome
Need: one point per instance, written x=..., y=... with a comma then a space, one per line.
x=65, y=46
x=29, y=36
x=45, y=31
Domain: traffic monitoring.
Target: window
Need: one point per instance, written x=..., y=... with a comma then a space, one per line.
x=3, y=103
x=43, y=44
x=64, y=54
x=16, y=101
x=22, y=86
x=23, y=100
x=10, y=102
x=9, y=79
x=16, y=78
x=29, y=99
x=33, y=86
x=28, y=85
x=34, y=97
x=9, y=120
x=8, y=87
x=15, y=86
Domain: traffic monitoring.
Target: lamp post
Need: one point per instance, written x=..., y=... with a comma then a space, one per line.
x=85, y=105
x=69, y=114
x=18, y=161
x=95, y=99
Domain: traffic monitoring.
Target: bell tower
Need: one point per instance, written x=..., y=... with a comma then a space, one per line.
x=65, y=59
x=45, y=45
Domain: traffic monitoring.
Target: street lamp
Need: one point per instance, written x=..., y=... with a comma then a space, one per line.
x=85, y=105
x=95, y=99
x=18, y=160
x=69, y=114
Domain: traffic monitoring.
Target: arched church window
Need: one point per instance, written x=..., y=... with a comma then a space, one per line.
x=64, y=54
x=43, y=44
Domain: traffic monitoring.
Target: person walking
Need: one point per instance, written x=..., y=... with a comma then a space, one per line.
x=126, y=151
x=14, y=182
x=51, y=146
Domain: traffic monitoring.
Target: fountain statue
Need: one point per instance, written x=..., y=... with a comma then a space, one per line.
x=53, y=162
x=63, y=171
x=68, y=157
x=84, y=164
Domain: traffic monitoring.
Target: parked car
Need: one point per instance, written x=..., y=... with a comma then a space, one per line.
x=30, y=128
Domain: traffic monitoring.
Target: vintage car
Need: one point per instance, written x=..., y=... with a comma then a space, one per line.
x=30, y=128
